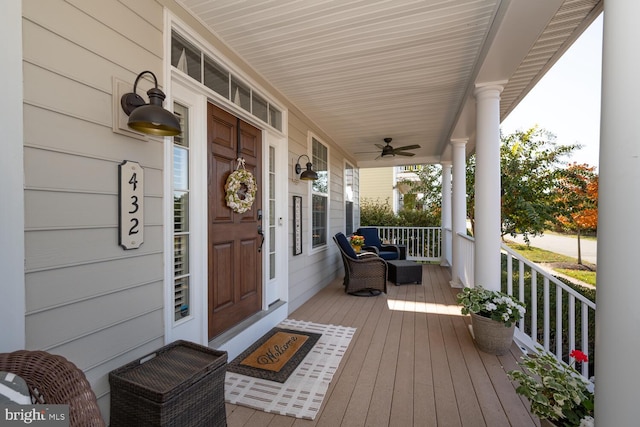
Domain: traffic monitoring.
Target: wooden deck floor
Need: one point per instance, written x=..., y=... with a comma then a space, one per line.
x=412, y=362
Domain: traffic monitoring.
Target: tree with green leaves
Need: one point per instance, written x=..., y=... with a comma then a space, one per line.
x=532, y=164
x=426, y=191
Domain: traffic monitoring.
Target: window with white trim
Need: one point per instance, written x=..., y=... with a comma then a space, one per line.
x=348, y=198
x=319, y=194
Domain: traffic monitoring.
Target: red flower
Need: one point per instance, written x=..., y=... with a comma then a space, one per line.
x=579, y=356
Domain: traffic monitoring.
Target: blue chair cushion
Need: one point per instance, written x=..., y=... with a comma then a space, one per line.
x=387, y=255
x=345, y=245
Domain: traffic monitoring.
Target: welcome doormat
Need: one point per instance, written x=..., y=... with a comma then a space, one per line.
x=276, y=355
x=302, y=394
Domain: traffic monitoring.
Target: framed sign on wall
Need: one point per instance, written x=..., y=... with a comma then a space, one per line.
x=131, y=205
x=297, y=225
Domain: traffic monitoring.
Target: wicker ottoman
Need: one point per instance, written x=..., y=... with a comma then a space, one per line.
x=182, y=384
x=402, y=271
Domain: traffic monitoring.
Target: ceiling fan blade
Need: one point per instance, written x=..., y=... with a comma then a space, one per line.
x=404, y=153
x=380, y=146
x=366, y=152
x=407, y=147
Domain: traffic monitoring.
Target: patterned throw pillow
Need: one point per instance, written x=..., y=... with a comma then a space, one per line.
x=13, y=389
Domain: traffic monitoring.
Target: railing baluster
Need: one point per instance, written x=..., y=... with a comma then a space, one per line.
x=572, y=323
x=534, y=305
x=510, y=274
x=585, y=338
x=545, y=321
x=559, y=335
x=521, y=290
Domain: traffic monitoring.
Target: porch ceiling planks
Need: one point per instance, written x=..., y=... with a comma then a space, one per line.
x=361, y=70
x=405, y=69
x=406, y=366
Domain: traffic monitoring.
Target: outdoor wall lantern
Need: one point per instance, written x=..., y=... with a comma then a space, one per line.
x=307, y=175
x=149, y=118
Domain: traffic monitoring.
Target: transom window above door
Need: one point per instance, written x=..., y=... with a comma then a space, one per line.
x=194, y=62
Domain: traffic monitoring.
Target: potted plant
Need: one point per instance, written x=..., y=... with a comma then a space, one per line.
x=356, y=242
x=493, y=317
x=559, y=395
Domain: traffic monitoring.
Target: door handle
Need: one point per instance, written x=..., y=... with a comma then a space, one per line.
x=261, y=233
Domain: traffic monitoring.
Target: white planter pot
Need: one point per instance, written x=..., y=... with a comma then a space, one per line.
x=491, y=336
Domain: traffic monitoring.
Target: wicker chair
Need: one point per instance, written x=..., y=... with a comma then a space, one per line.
x=52, y=379
x=365, y=274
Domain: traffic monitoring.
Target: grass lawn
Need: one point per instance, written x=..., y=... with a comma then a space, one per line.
x=562, y=264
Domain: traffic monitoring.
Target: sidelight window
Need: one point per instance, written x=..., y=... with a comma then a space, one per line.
x=181, y=228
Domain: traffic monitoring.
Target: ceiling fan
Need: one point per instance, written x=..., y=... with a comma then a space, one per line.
x=389, y=151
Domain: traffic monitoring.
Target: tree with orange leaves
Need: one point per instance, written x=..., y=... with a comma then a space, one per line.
x=577, y=194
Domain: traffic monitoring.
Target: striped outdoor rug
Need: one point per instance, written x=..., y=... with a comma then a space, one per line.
x=301, y=395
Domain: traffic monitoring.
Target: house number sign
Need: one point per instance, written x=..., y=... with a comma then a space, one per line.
x=131, y=214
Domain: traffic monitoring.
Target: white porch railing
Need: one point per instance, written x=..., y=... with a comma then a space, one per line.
x=447, y=256
x=534, y=287
x=422, y=243
x=467, y=249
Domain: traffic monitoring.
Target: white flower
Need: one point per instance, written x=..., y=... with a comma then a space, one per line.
x=490, y=306
x=587, y=422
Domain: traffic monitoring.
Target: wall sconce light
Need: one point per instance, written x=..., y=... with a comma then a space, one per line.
x=307, y=175
x=149, y=118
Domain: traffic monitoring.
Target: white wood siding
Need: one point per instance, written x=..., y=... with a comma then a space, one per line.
x=308, y=273
x=87, y=298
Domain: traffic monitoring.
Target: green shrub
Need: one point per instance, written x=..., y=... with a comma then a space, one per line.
x=375, y=212
x=412, y=218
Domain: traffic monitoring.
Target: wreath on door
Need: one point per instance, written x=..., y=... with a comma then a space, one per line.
x=240, y=189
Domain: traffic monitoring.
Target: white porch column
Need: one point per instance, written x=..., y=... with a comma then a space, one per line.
x=459, y=207
x=445, y=220
x=618, y=291
x=487, y=187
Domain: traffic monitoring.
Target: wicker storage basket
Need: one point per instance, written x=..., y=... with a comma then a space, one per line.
x=181, y=385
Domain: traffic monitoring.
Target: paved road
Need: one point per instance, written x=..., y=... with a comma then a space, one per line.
x=563, y=245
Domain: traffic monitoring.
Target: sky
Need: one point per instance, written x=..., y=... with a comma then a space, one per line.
x=566, y=101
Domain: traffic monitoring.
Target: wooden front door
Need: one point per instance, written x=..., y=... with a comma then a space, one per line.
x=234, y=242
